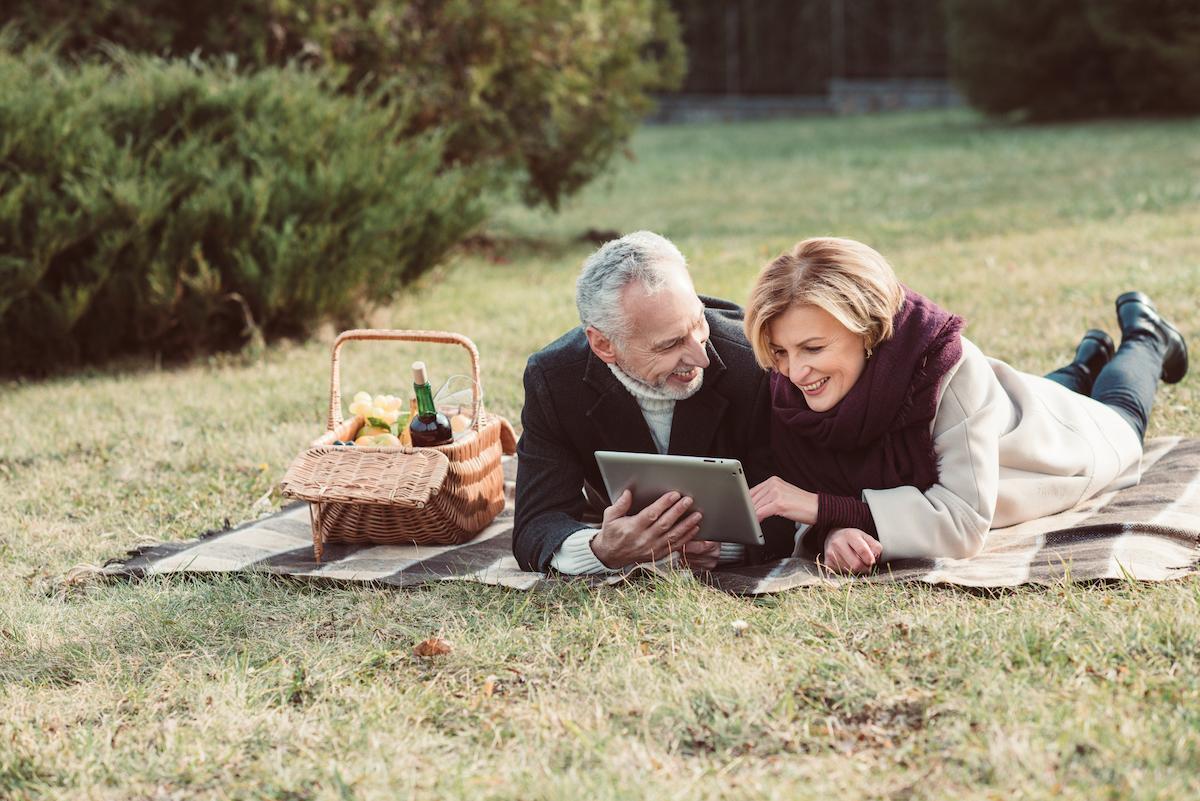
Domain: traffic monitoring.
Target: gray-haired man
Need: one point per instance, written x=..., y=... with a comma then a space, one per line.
x=652, y=368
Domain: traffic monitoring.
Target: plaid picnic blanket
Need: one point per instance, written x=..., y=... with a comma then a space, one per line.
x=1150, y=532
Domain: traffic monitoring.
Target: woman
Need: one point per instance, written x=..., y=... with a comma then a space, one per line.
x=896, y=437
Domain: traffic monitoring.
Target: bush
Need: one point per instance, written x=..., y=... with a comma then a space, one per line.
x=1060, y=59
x=547, y=89
x=148, y=205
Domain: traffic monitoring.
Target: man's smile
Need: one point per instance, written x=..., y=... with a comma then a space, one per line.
x=686, y=375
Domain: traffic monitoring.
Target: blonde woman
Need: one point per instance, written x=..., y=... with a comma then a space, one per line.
x=894, y=436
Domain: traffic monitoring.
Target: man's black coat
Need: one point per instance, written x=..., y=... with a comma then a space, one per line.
x=574, y=406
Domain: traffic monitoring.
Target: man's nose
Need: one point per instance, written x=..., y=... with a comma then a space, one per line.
x=698, y=353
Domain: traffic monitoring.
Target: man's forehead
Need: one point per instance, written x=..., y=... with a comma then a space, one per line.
x=667, y=314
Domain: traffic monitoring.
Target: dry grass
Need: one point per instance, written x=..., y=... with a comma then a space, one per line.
x=254, y=687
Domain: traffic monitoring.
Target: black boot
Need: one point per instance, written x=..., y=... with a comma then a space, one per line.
x=1095, y=350
x=1079, y=375
x=1138, y=317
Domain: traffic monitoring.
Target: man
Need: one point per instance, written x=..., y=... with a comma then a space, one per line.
x=653, y=368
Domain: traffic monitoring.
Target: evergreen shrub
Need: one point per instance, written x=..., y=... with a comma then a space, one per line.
x=1063, y=59
x=155, y=206
x=547, y=90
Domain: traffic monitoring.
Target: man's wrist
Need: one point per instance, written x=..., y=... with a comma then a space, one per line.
x=575, y=557
x=599, y=546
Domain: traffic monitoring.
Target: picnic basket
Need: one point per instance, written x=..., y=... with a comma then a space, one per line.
x=442, y=495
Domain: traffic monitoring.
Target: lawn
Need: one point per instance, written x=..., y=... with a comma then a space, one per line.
x=252, y=687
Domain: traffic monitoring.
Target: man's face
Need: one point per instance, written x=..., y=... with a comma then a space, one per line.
x=665, y=349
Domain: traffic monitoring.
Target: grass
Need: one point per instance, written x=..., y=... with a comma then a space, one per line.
x=252, y=687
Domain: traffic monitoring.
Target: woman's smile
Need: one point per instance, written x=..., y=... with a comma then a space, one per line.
x=815, y=387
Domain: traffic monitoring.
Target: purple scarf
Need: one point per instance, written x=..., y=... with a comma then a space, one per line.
x=879, y=435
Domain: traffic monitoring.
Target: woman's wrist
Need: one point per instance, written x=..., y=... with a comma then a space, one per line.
x=811, y=508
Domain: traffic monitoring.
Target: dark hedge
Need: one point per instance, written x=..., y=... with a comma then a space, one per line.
x=1066, y=59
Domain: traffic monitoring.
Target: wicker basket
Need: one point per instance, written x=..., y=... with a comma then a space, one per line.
x=426, y=496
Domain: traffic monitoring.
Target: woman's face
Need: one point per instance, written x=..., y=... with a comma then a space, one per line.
x=819, y=355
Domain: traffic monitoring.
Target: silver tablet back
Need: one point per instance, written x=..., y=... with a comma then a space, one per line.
x=717, y=488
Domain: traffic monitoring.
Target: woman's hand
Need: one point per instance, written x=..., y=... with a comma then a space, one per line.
x=777, y=497
x=851, y=550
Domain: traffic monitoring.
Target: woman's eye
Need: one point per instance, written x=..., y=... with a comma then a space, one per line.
x=813, y=348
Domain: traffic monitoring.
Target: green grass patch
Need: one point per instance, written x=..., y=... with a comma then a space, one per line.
x=250, y=686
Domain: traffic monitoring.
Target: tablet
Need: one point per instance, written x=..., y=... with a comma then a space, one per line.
x=717, y=488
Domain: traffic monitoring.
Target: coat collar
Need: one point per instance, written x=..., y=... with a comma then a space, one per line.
x=620, y=425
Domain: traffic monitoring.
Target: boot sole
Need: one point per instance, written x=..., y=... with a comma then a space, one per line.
x=1174, y=371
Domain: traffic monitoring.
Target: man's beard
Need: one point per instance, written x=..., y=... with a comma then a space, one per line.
x=665, y=387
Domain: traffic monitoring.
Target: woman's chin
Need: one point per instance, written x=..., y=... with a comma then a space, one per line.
x=823, y=401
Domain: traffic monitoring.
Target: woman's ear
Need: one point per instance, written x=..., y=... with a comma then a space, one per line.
x=601, y=345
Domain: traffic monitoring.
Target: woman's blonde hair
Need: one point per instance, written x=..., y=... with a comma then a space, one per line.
x=847, y=279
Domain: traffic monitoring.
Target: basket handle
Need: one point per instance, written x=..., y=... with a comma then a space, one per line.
x=399, y=335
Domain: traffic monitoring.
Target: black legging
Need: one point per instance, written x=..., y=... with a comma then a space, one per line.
x=1127, y=383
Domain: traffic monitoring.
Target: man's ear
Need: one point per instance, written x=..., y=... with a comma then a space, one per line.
x=602, y=346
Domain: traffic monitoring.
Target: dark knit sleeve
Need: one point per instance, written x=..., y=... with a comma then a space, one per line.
x=840, y=511
x=834, y=512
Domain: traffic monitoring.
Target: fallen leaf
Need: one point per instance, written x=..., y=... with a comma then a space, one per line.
x=434, y=646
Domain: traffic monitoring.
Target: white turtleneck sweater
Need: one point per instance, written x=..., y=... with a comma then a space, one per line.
x=575, y=555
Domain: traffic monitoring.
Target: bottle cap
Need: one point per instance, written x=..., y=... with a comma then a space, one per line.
x=419, y=373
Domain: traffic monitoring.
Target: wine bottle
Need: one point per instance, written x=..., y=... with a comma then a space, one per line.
x=428, y=426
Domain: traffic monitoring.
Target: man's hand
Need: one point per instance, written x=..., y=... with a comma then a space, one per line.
x=851, y=550
x=701, y=554
x=777, y=497
x=653, y=533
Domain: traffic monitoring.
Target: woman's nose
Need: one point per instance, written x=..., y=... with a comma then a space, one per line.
x=796, y=370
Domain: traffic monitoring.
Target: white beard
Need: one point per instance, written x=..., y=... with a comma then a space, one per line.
x=663, y=390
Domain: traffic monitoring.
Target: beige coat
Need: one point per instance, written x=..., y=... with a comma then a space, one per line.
x=1011, y=447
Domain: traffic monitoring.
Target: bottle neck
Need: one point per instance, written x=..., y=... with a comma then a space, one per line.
x=425, y=407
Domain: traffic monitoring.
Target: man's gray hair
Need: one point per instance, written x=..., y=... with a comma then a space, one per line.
x=642, y=256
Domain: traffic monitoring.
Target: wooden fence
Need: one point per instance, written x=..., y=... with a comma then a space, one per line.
x=798, y=47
